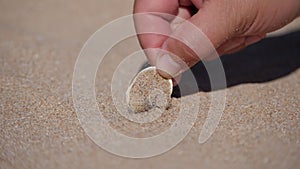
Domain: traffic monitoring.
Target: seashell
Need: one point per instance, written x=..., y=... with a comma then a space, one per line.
x=149, y=90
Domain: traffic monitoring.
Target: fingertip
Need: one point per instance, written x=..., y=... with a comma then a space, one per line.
x=176, y=80
x=167, y=67
x=164, y=74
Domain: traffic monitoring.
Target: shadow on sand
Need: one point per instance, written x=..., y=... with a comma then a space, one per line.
x=267, y=60
x=270, y=59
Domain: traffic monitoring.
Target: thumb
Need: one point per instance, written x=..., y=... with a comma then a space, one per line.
x=193, y=40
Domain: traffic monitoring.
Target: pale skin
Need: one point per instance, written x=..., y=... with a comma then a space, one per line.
x=230, y=25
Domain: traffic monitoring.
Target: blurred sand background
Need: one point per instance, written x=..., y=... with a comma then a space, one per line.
x=39, y=44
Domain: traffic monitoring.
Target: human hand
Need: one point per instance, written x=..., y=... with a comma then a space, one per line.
x=230, y=25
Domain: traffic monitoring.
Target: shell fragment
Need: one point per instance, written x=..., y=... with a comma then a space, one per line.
x=149, y=90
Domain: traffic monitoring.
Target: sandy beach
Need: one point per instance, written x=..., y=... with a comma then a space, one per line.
x=39, y=44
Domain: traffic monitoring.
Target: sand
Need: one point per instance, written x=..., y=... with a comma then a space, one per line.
x=149, y=90
x=39, y=44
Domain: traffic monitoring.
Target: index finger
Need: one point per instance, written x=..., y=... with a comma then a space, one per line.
x=154, y=19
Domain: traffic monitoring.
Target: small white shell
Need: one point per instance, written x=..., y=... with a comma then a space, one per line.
x=149, y=90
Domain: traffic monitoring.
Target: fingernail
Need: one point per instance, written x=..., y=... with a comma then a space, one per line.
x=167, y=67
